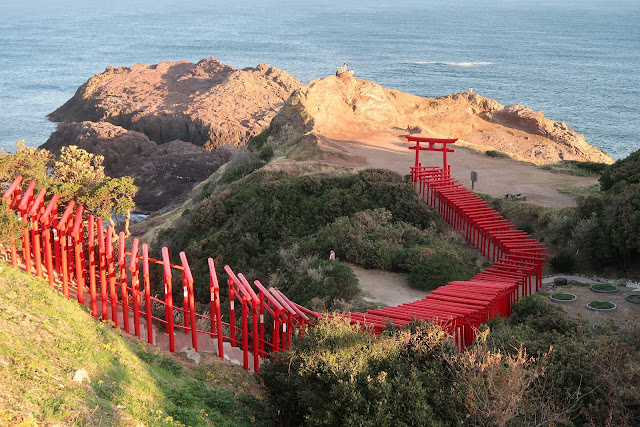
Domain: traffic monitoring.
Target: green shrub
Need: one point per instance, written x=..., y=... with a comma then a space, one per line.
x=258, y=141
x=563, y=263
x=527, y=228
x=437, y=270
x=247, y=225
x=266, y=154
x=340, y=375
x=588, y=376
x=232, y=174
x=307, y=279
x=577, y=168
x=497, y=154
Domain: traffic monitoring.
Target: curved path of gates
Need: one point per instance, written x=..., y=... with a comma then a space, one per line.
x=462, y=306
x=79, y=256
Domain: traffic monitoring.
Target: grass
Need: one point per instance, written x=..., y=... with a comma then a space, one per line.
x=44, y=339
x=563, y=297
x=601, y=305
x=581, y=190
x=633, y=297
x=497, y=154
x=604, y=287
x=576, y=168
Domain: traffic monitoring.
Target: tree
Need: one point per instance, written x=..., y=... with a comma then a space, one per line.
x=113, y=196
x=75, y=175
x=31, y=163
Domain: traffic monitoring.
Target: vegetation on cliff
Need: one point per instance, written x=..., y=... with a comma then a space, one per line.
x=279, y=227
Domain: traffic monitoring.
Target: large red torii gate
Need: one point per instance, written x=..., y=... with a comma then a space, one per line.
x=431, y=147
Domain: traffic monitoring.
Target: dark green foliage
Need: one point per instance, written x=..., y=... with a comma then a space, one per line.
x=258, y=141
x=588, y=374
x=437, y=270
x=368, y=238
x=574, y=167
x=313, y=282
x=497, y=154
x=613, y=236
x=562, y=263
x=627, y=170
x=527, y=228
x=266, y=154
x=267, y=212
x=339, y=375
x=236, y=172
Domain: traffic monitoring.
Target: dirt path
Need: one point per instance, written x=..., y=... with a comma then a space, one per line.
x=386, y=149
x=385, y=287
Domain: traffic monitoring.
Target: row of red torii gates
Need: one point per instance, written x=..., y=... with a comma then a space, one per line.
x=462, y=306
x=77, y=254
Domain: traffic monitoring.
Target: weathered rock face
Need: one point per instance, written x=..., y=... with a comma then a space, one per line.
x=208, y=104
x=163, y=173
x=337, y=105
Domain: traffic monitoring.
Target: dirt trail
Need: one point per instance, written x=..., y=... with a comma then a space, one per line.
x=385, y=287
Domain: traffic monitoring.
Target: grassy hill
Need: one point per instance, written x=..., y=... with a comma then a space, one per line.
x=45, y=339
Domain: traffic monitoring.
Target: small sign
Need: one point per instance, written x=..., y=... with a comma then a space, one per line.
x=186, y=292
x=474, y=179
x=213, y=296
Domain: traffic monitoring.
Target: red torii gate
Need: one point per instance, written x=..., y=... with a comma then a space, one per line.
x=431, y=141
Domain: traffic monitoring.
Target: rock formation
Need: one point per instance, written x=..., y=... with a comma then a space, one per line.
x=163, y=172
x=208, y=104
x=159, y=123
x=334, y=106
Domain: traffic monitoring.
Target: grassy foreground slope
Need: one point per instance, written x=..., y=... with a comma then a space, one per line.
x=45, y=339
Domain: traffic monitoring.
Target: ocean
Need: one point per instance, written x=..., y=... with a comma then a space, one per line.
x=576, y=61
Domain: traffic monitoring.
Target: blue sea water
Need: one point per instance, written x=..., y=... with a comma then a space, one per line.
x=577, y=61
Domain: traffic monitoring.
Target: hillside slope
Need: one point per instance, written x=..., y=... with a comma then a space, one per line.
x=45, y=340
x=346, y=108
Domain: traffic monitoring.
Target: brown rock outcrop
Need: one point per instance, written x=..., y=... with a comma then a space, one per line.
x=335, y=106
x=208, y=104
x=164, y=173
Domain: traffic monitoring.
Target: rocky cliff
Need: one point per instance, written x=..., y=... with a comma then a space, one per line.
x=208, y=104
x=165, y=172
x=161, y=123
x=335, y=106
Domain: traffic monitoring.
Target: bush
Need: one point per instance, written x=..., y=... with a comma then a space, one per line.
x=527, y=228
x=437, y=270
x=588, y=375
x=308, y=279
x=562, y=263
x=340, y=375
x=497, y=154
x=247, y=225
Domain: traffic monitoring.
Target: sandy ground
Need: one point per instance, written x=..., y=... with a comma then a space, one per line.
x=387, y=149
x=385, y=287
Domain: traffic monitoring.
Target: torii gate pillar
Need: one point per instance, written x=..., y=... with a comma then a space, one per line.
x=431, y=147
